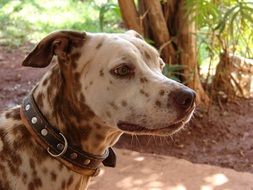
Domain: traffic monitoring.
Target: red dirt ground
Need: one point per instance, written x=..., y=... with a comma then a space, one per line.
x=222, y=137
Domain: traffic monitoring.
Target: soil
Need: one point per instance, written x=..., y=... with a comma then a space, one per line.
x=219, y=135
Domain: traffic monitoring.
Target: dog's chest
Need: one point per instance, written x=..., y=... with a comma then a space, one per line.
x=24, y=165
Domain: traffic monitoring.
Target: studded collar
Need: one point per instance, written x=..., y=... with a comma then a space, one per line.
x=58, y=146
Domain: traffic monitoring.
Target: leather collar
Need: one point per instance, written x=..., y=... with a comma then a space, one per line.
x=58, y=146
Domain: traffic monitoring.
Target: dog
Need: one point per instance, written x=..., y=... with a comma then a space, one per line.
x=102, y=86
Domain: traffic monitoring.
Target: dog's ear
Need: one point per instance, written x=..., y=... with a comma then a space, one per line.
x=58, y=43
x=134, y=33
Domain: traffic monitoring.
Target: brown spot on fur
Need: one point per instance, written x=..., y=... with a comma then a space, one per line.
x=13, y=168
x=124, y=103
x=60, y=166
x=99, y=137
x=144, y=93
x=161, y=92
x=45, y=170
x=70, y=181
x=22, y=137
x=44, y=83
x=24, y=178
x=91, y=83
x=87, y=113
x=99, y=45
x=31, y=186
x=147, y=56
x=85, y=132
x=82, y=98
x=13, y=114
x=158, y=103
x=113, y=105
x=74, y=57
x=39, y=99
x=110, y=82
x=77, y=76
x=53, y=176
x=101, y=73
x=4, y=185
x=74, y=64
x=32, y=164
x=2, y=132
x=98, y=126
x=37, y=182
x=143, y=80
x=63, y=184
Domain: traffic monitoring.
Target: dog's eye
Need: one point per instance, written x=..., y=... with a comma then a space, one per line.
x=122, y=71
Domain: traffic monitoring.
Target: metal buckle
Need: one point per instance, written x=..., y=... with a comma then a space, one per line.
x=63, y=150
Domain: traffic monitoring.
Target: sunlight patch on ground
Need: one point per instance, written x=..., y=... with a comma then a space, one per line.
x=140, y=158
x=217, y=179
x=150, y=182
x=214, y=181
x=178, y=187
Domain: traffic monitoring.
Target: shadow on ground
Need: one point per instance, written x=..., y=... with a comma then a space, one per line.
x=136, y=171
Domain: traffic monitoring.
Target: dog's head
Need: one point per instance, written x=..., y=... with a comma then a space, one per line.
x=120, y=77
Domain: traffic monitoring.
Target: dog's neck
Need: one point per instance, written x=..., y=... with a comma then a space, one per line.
x=60, y=100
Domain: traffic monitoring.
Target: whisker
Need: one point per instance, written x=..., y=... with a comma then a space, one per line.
x=154, y=137
x=149, y=139
x=137, y=140
x=132, y=141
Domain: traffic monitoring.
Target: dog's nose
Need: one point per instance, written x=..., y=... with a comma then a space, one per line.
x=184, y=98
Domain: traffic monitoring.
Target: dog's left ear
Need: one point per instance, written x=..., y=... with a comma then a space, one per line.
x=134, y=33
x=58, y=43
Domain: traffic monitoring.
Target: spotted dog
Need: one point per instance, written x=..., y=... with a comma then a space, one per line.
x=102, y=86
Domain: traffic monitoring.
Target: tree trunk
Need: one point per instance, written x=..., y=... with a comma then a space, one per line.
x=188, y=53
x=144, y=22
x=130, y=15
x=160, y=30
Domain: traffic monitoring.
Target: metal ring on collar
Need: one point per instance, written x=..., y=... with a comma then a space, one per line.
x=63, y=150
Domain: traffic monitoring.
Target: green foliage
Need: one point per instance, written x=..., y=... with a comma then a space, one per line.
x=222, y=26
x=173, y=71
x=108, y=8
x=30, y=20
x=205, y=13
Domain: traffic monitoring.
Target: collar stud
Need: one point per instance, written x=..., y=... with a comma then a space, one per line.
x=60, y=146
x=27, y=107
x=34, y=120
x=44, y=132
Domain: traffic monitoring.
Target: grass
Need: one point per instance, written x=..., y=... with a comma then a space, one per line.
x=30, y=20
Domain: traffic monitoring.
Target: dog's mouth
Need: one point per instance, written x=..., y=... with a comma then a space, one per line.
x=138, y=129
x=167, y=130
